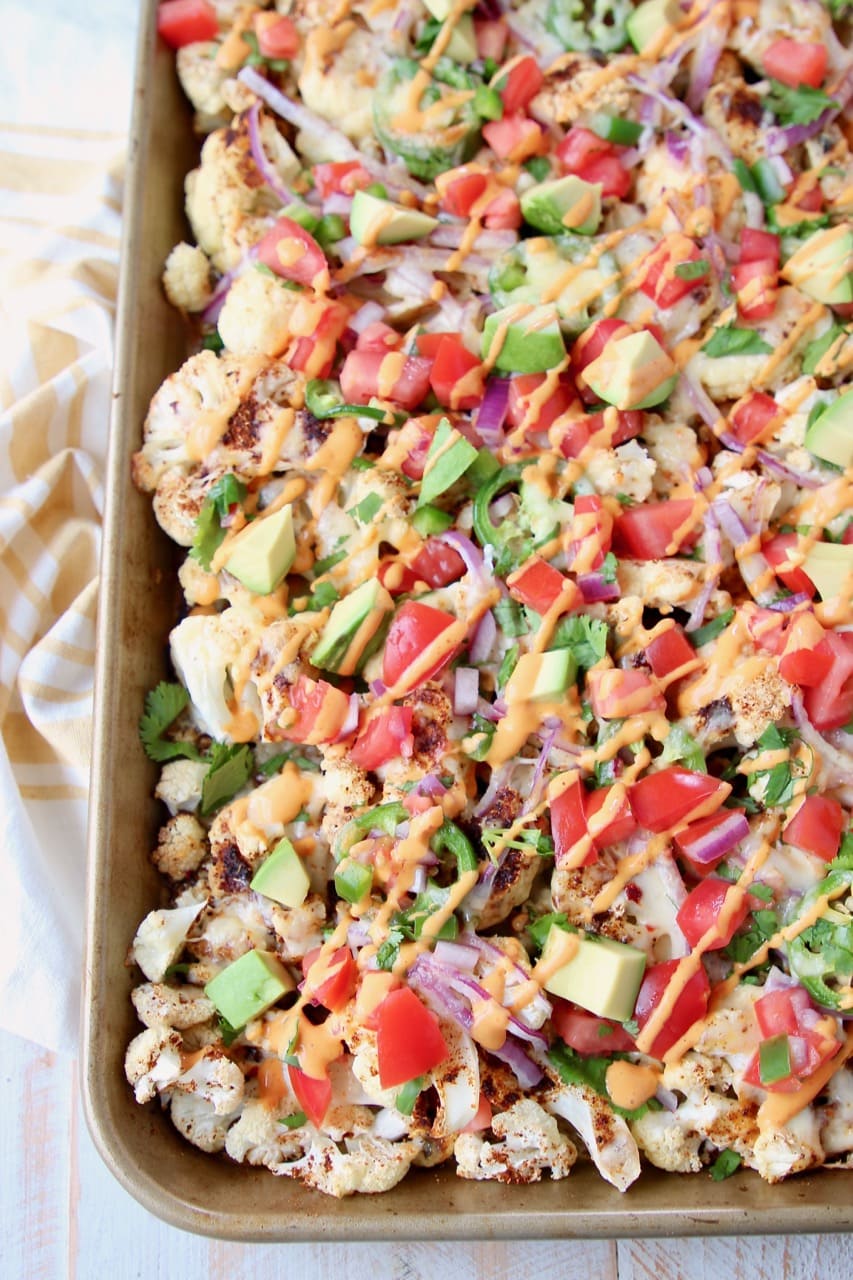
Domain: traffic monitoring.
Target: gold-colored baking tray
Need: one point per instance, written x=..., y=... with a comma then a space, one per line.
x=210, y=1194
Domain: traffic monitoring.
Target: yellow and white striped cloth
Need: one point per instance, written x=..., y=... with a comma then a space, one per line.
x=60, y=208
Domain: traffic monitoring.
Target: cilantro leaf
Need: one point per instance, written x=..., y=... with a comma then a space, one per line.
x=163, y=705
x=843, y=860
x=230, y=768
x=510, y=618
x=743, y=946
x=797, y=106
x=388, y=952
x=586, y=637
x=710, y=631
x=365, y=510
x=728, y=340
x=609, y=567
x=531, y=840
x=541, y=927
x=508, y=665
x=209, y=533
x=726, y=1163
x=679, y=745
x=591, y=1071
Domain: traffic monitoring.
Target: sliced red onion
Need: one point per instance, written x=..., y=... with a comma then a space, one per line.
x=431, y=785
x=781, y=469
x=448, y=236
x=702, y=402
x=466, y=691
x=456, y=955
x=704, y=64
x=667, y=1099
x=337, y=202
x=366, y=315
x=789, y=603
x=432, y=978
x=265, y=166
x=533, y=794
x=778, y=140
x=753, y=567
x=419, y=881
x=491, y=414
x=594, y=588
x=526, y=1071
x=481, y=644
x=210, y=315
x=538, y=1010
x=462, y=544
x=350, y=724
x=678, y=147
x=721, y=840
x=837, y=765
x=713, y=555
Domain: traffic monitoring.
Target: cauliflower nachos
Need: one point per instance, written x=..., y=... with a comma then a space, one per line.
x=508, y=754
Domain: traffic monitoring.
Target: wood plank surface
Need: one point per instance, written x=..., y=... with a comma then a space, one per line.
x=63, y=1215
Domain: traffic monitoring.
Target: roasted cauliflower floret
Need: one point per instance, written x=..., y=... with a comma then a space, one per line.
x=213, y=1077
x=565, y=95
x=790, y=1148
x=729, y=377
x=227, y=198
x=667, y=584
x=675, y=449
x=256, y=314
x=202, y=79
x=667, y=1142
x=153, y=1062
x=181, y=847
x=367, y=1164
x=160, y=939
x=605, y=1135
x=338, y=78
x=736, y=111
x=180, y=785
x=299, y=929
x=196, y=1119
x=530, y=1144
x=206, y=650
x=186, y=278
x=180, y=1007
x=627, y=470
x=257, y=1137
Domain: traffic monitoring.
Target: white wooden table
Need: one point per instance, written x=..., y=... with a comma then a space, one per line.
x=63, y=1215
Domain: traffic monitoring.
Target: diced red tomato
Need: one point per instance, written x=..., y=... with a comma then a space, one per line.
x=756, y=284
x=456, y=376
x=521, y=84
x=397, y=578
x=408, y=1038
x=504, y=212
x=380, y=337
x=340, y=177
x=578, y=432
x=768, y=630
x=616, y=694
x=653, y=530
x=538, y=585
x=314, y=1096
x=386, y=736
x=778, y=1012
x=277, y=36
x=579, y=147
x=752, y=416
x=789, y=1011
x=461, y=192
x=777, y=549
x=690, y=837
x=335, y=991
x=523, y=388
x=806, y=658
x=428, y=343
x=609, y=171
x=318, y=326
x=689, y=1007
x=701, y=911
x=516, y=137
x=482, y=1118
x=665, y=799
x=491, y=35
x=622, y=825
x=568, y=823
x=795, y=62
x=413, y=441
x=437, y=564
x=660, y=282
x=671, y=651
x=591, y=534
x=364, y=375
x=811, y=200
x=586, y=1033
x=817, y=827
x=758, y=246
x=414, y=629
x=321, y=711
x=293, y=253
x=181, y=22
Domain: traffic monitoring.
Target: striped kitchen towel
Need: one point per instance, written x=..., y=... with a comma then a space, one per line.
x=60, y=207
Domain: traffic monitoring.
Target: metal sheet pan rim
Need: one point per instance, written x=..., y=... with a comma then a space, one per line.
x=211, y=1196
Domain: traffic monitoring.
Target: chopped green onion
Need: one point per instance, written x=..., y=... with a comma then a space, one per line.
x=693, y=270
x=408, y=1095
x=767, y=182
x=615, y=129
x=428, y=520
x=743, y=175
x=303, y=216
x=488, y=103
x=330, y=229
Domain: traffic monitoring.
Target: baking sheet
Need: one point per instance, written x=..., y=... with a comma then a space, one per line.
x=139, y=601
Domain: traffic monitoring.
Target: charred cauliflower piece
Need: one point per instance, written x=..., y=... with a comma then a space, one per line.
x=186, y=278
x=181, y=847
x=530, y=1144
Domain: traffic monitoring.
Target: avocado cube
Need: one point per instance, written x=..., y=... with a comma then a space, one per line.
x=282, y=876
x=529, y=339
x=831, y=434
x=830, y=567
x=649, y=19
x=247, y=987
x=377, y=221
x=262, y=553
x=566, y=204
x=463, y=43
x=603, y=976
x=450, y=455
x=542, y=677
x=633, y=372
x=823, y=266
x=353, y=628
